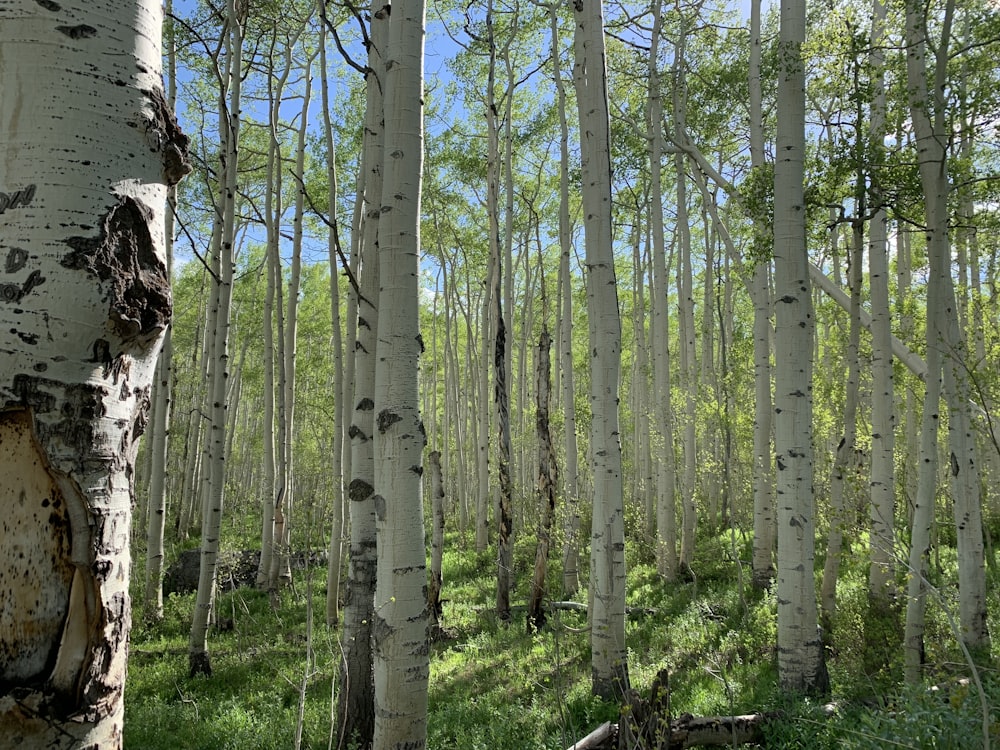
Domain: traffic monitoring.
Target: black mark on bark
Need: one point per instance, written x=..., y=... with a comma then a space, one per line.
x=165, y=137
x=386, y=419
x=82, y=31
x=17, y=258
x=134, y=278
x=17, y=199
x=14, y=293
x=359, y=490
x=49, y=5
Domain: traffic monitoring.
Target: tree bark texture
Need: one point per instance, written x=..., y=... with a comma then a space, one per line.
x=546, y=484
x=801, y=667
x=85, y=301
x=609, y=665
x=400, y=622
x=356, y=696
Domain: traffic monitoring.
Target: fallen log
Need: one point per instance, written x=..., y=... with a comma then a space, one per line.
x=715, y=731
x=646, y=724
x=581, y=607
x=599, y=739
x=686, y=731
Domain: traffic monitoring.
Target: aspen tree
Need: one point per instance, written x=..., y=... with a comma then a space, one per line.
x=571, y=547
x=685, y=314
x=160, y=432
x=86, y=302
x=280, y=566
x=666, y=521
x=400, y=620
x=801, y=666
x=944, y=343
x=609, y=665
x=334, y=555
x=546, y=485
x=883, y=477
x=356, y=698
x=230, y=79
x=272, y=220
x=763, y=490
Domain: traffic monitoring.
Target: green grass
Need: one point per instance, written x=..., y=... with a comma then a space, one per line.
x=493, y=686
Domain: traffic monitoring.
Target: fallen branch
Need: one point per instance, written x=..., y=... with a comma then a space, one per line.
x=598, y=739
x=580, y=607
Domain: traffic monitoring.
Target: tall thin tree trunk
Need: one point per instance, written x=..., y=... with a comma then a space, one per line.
x=356, y=698
x=801, y=666
x=546, y=487
x=930, y=130
x=883, y=476
x=571, y=546
x=763, y=474
x=198, y=658
x=609, y=665
x=400, y=619
x=334, y=556
x=685, y=316
x=666, y=522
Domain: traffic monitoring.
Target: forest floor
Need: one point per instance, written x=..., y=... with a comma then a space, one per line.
x=494, y=686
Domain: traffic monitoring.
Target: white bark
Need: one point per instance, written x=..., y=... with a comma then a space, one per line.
x=685, y=315
x=222, y=282
x=800, y=650
x=86, y=300
x=666, y=523
x=400, y=622
x=763, y=475
x=334, y=555
x=272, y=214
x=930, y=130
x=883, y=476
x=356, y=698
x=571, y=547
x=609, y=666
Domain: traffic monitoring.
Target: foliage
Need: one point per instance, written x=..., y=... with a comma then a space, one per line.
x=494, y=686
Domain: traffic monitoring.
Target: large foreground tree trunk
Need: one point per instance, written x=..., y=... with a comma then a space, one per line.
x=801, y=666
x=400, y=623
x=609, y=665
x=86, y=299
x=356, y=697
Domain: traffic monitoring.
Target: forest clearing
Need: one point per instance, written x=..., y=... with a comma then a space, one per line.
x=512, y=374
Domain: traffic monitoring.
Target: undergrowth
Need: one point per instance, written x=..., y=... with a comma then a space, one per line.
x=494, y=686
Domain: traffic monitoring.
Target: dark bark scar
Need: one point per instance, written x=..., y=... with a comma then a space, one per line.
x=123, y=258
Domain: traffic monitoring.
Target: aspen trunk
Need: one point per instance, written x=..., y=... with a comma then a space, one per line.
x=546, y=487
x=943, y=332
x=666, y=522
x=334, y=556
x=356, y=697
x=763, y=490
x=86, y=302
x=609, y=664
x=883, y=477
x=571, y=545
x=400, y=619
x=222, y=282
x=801, y=667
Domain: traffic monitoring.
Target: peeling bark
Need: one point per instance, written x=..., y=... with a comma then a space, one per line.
x=84, y=300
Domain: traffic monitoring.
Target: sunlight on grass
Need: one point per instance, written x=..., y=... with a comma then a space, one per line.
x=494, y=686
